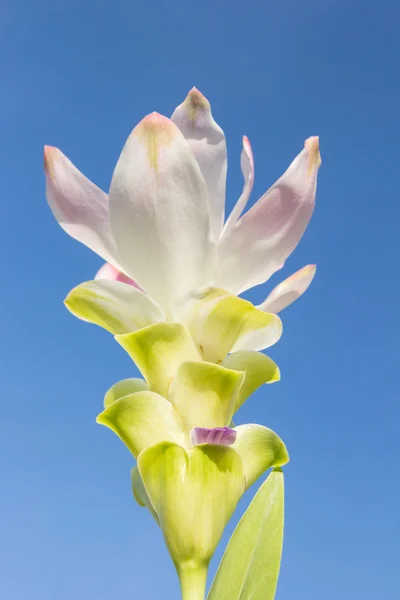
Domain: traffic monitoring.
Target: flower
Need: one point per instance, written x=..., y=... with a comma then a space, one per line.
x=161, y=230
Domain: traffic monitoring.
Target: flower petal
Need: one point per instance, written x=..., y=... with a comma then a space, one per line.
x=259, y=448
x=269, y=232
x=222, y=436
x=289, y=290
x=159, y=213
x=247, y=164
x=80, y=207
x=107, y=271
x=118, y=307
x=158, y=351
x=258, y=367
x=143, y=419
x=221, y=323
x=204, y=394
x=207, y=142
x=125, y=387
x=194, y=493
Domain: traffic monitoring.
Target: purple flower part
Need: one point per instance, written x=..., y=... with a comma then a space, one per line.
x=223, y=436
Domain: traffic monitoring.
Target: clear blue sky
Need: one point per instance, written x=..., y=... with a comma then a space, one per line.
x=79, y=75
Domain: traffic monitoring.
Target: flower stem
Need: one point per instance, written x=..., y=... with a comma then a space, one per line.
x=193, y=580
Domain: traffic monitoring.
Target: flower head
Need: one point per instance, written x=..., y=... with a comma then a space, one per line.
x=171, y=255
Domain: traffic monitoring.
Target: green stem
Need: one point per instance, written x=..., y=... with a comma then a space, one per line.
x=193, y=580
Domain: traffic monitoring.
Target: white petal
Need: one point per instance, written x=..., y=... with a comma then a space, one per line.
x=247, y=165
x=207, y=142
x=269, y=232
x=80, y=207
x=289, y=290
x=116, y=306
x=159, y=213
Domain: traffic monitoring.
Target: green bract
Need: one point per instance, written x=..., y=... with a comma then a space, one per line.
x=194, y=493
x=125, y=387
x=205, y=395
x=158, y=351
x=142, y=420
x=120, y=311
x=222, y=323
x=259, y=369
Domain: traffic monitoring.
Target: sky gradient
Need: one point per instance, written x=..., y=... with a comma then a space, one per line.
x=80, y=75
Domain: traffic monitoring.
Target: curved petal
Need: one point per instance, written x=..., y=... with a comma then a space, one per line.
x=143, y=419
x=107, y=271
x=118, y=307
x=269, y=232
x=289, y=290
x=221, y=323
x=207, y=142
x=80, y=207
x=259, y=448
x=259, y=369
x=158, y=351
x=159, y=213
x=194, y=493
x=204, y=394
x=125, y=387
x=247, y=164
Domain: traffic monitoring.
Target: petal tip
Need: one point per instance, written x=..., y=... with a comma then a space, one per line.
x=194, y=102
x=155, y=121
x=307, y=271
x=246, y=144
x=49, y=155
x=156, y=131
x=312, y=147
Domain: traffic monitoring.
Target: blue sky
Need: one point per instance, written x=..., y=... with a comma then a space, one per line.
x=80, y=75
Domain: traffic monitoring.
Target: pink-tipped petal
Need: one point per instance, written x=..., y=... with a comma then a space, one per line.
x=159, y=213
x=109, y=272
x=207, y=142
x=289, y=290
x=79, y=206
x=269, y=232
x=247, y=165
x=222, y=436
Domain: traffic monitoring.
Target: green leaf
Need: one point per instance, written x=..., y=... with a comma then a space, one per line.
x=205, y=394
x=158, y=351
x=249, y=569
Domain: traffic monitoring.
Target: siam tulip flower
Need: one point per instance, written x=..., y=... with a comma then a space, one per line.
x=170, y=256
x=192, y=467
x=169, y=292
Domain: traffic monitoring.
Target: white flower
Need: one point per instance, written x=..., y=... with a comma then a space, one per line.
x=162, y=227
